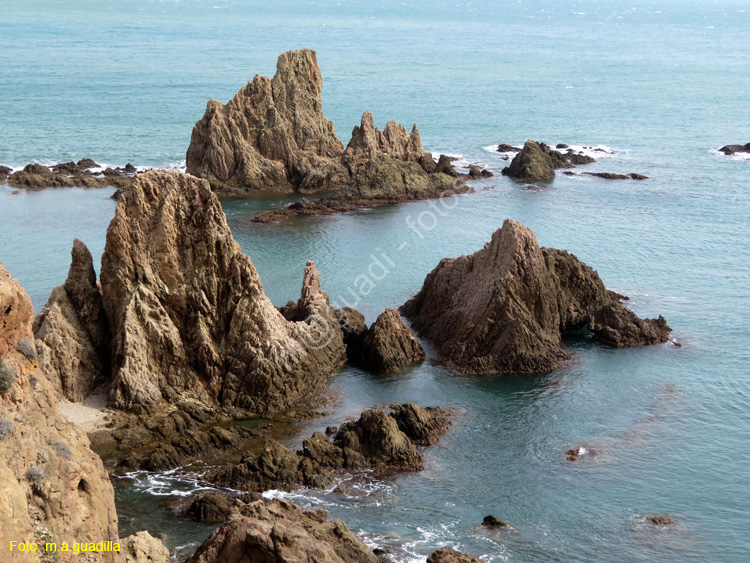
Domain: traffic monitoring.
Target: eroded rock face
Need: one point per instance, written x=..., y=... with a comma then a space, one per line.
x=281, y=532
x=531, y=164
x=272, y=134
x=50, y=481
x=188, y=315
x=506, y=307
x=380, y=441
x=71, y=332
x=389, y=345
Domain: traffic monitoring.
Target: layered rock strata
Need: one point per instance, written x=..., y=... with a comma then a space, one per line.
x=389, y=345
x=506, y=307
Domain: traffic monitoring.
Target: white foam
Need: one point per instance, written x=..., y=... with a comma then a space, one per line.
x=595, y=151
x=735, y=156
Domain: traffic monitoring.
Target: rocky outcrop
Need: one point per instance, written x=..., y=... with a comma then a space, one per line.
x=380, y=441
x=53, y=488
x=68, y=175
x=188, y=315
x=731, y=149
x=506, y=307
x=491, y=521
x=389, y=345
x=450, y=555
x=71, y=332
x=142, y=547
x=273, y=135
x=282, y=532
x=531, y=164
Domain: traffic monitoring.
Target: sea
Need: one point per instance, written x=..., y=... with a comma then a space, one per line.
x=656, y=86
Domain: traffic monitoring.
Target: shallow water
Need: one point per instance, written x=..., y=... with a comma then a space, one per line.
x=667, y=428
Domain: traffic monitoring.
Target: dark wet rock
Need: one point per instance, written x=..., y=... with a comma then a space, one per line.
x=561, y=146
x=423, y=426
x=63, y=175
x=579, y=158
x=635, y=176
x=506, y=307
x=281, y=532
x=389, y=345
x=129, y=169
x=608, y=175
x=532, y=164
x=445, y=166
x=493, y=522
x=72, y=332
x=507, y=148
x=331, y=430
x=213, y=507
x=86, y=163
x=4, y=173
x=450, y=555
x=374, y=441
x=662, y=521
x=559, y=160
x=477, y=173
x=731, y=149
x=354, y=327
x=110, y=172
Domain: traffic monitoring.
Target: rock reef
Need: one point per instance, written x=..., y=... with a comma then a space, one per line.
x=389, y=345
x=731, y=149
x=506, y=307
x=537, y=162
x=68, y=175
x=450, y=555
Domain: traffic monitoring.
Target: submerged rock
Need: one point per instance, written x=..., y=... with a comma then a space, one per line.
x=188, y=315
x=282, y=532
x=662, y=521
x=65, y=175
x=731, y=149
x=506, y=307
x=71, y=332
x=450, y=555
x=491, y=521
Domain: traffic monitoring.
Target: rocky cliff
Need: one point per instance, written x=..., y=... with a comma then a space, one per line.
x=53, y=488
x=188, y=315
x=506, y=307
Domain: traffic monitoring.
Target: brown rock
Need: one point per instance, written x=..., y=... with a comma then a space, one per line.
x=506, y=307
x=450, y=555
x=663, y=521
x=215, y=508
x=64, y=175
x=281, y=532
x=143, y=548
x=71, y=332
x=503, y=147
x=731, y=149
x=532, y=164
x=272, y=134
x=51, y=483
x=389, y=345
x=491, y=521
x=4, y=173
x=423, y=426
x=187, y=311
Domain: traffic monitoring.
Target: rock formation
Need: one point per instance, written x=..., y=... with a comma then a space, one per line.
x=68, y=175
x=53, y=488
x=537, y=162
x=273, y=135
x=506, y=307
x=188, y=315
x=531, y=164
x=282, y=532
x=72, y=333
x=450, y=555
x=389, y=345
x=731, y=149
x=380, y=441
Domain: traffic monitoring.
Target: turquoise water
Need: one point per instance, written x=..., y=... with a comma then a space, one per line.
x=662, y=85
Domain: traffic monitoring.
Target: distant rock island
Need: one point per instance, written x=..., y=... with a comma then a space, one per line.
x=731, y=149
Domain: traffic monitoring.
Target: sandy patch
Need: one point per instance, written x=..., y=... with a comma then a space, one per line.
x=89, y=415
